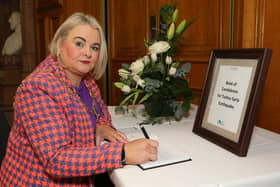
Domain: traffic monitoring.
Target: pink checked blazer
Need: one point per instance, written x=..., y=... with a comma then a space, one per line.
x=52, y=140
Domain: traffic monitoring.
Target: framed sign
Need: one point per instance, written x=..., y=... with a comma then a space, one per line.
x=231, y=96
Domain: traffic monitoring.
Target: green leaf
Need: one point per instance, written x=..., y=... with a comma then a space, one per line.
x=135, y=98
x=190, y=96
x=166, y=13
x=126, y=66
x=172, y=51
x=134, y=102
x=176, y=64
x=160, y=67
x=186, y=67
x=181, y=27
x=175, y=16
x=182, y=71
x=151, y=85
x=127, y=98
x=119, y=84
x=188, y=24
x=178, y=87
x=178, y=113
x=170, y=31
x=186, y=105
x=146, y=43
x=173, y=5
x=119, y=109
x=146, y=96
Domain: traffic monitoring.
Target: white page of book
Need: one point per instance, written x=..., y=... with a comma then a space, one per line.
x=165, y=156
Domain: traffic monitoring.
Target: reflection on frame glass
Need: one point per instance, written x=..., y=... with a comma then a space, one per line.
x=231, y=94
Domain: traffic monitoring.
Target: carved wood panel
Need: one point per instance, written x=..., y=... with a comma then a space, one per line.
x=268, y=30
x=204, y=34
x=128, y=28
x=10, y=77
x=48, y=18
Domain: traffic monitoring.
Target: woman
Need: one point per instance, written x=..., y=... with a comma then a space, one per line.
x=61, y=120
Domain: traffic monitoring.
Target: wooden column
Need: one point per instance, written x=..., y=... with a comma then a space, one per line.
x=28, y=37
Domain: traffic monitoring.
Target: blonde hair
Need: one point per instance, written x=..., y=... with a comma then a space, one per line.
x=63, y=30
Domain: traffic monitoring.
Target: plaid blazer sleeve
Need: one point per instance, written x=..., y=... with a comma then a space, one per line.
x=39, y=106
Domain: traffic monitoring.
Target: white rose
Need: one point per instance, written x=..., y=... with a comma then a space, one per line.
x=139, y=81
x=137, y=66
x=172, y=71
x=125, y=88
x=154, y=57
x=123, y=73
x=168, y=60
x=159, y=47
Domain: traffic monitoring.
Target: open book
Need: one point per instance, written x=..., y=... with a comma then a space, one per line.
x=165, y=154
x=169, y=151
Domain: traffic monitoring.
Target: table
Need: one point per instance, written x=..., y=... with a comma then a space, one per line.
x=211, y=165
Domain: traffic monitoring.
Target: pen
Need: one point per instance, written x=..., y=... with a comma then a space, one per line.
x=145, y=132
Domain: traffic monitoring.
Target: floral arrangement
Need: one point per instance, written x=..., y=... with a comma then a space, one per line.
x=156, y=79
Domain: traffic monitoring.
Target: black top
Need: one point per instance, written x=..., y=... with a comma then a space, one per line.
x=4, y=134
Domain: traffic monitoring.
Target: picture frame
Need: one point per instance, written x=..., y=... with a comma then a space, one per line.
x=231, y=96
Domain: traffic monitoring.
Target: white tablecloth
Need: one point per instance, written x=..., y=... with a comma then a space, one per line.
x=211, y=165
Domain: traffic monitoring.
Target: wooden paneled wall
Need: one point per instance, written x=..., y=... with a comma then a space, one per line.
x=256, y=25
x=221, y=24
x=267, y=35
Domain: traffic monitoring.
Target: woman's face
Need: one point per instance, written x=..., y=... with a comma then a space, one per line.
x=80, y=51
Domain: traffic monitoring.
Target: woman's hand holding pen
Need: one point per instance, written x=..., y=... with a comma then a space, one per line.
x=136, y=152
x=140, y=151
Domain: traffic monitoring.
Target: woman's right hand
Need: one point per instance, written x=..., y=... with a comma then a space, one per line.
x=140, y=151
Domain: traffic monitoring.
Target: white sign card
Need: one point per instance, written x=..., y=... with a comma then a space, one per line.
x=229, y=95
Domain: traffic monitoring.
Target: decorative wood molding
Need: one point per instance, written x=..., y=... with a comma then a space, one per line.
x=260, y=16
x=10, y=61
x=249, y=31
x=48, y=8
